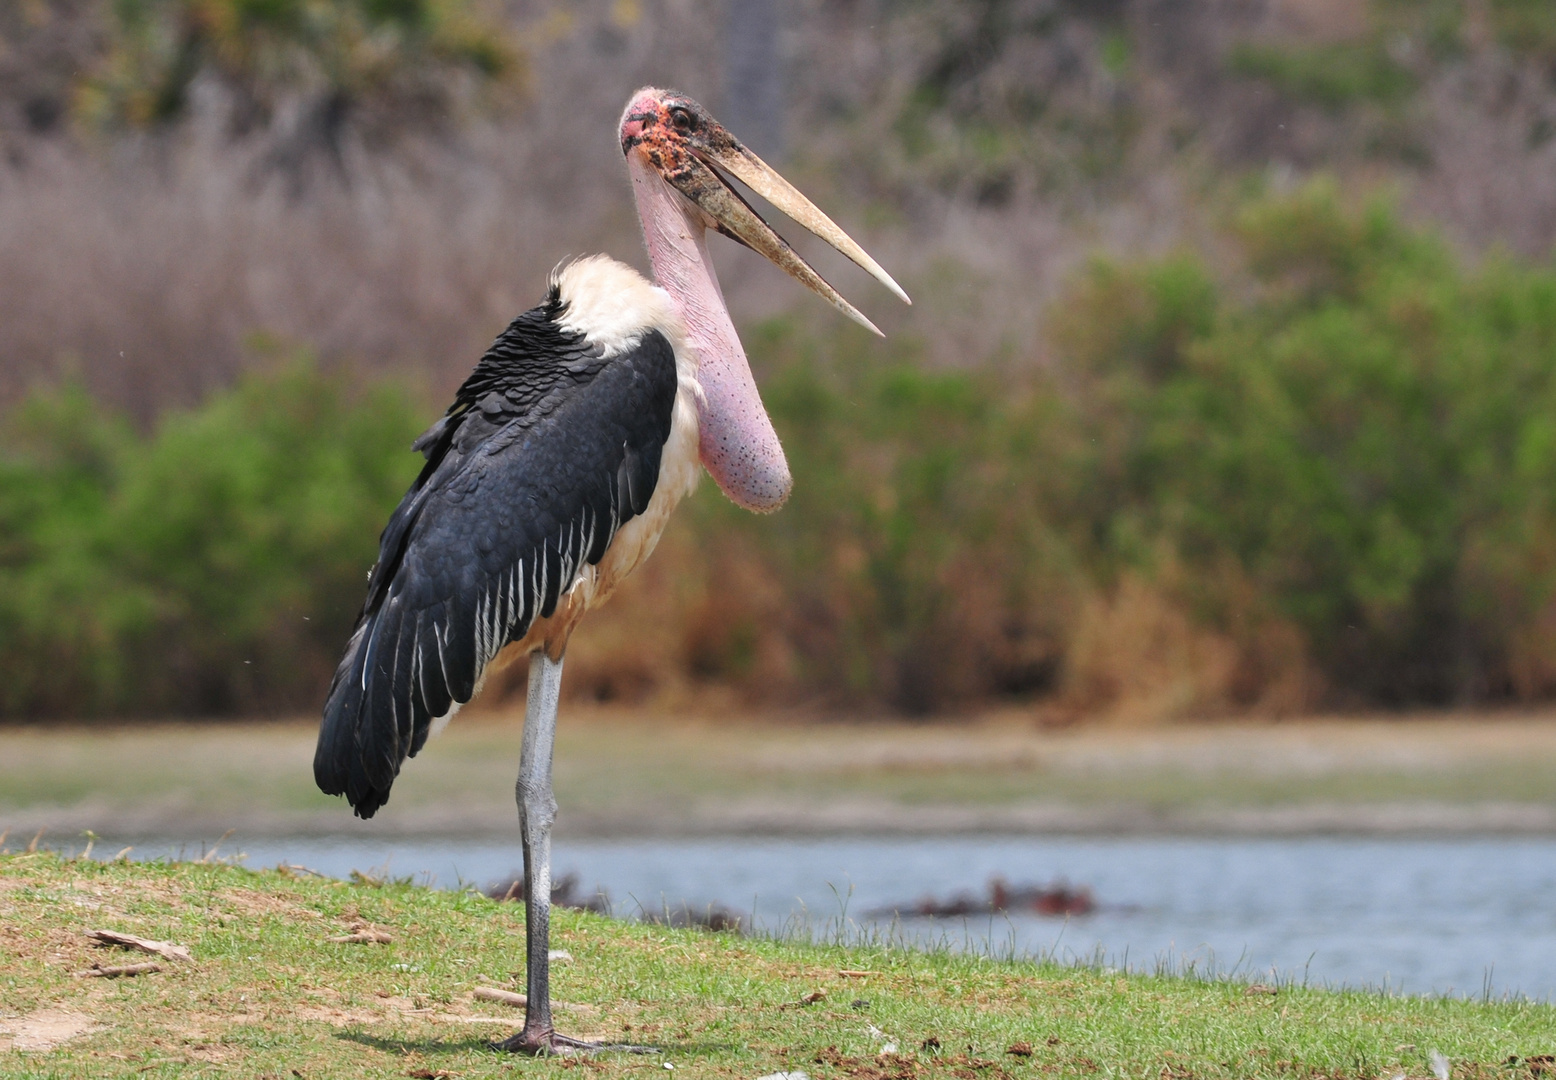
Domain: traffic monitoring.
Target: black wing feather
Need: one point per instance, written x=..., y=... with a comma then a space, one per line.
x=548, y=449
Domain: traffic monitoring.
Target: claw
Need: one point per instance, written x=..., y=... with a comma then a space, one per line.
x=551, y=1044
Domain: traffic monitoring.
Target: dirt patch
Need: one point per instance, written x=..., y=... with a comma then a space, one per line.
x=889, y=1065
x=254, y=903
x=394, y=1009
x=339, y=1017
x=45, y=1029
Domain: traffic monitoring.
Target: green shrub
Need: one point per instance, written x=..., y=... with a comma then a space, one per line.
x=398, y=59
x=1526, y=27
x=63, y=611
x=1368, y=441
x=1329, y=76
x=913, y=553
x=1334, y=471
x=213, y=567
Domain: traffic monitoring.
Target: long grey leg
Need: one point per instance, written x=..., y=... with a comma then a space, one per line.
x=537, y=813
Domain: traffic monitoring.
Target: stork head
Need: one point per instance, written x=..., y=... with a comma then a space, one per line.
x=677, y=156
x=689, y=149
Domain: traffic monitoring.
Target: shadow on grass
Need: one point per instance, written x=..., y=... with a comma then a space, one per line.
x=420, y=1046
x=447, y=1046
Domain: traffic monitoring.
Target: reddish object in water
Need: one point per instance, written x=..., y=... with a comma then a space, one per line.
x=1056, y=899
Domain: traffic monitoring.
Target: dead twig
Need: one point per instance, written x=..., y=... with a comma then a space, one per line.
x=519, y=1001
x=32, y=848
x=209, y=855
x=165, y=949
x=850, y=973
x=97, y=971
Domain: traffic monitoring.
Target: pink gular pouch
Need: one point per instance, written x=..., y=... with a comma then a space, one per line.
x=737, y=443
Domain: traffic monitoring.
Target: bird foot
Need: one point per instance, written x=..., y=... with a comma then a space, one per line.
x=551, y=1044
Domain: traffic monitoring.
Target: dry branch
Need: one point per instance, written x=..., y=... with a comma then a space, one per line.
x=519, y=1001
x=165, y=949
x=363, y=937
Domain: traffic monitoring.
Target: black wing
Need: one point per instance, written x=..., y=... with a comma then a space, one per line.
x=548, y=449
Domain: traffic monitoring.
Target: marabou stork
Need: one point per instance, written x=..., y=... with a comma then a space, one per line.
x=551, y=476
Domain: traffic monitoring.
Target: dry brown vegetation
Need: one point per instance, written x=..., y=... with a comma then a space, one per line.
x=984, y=149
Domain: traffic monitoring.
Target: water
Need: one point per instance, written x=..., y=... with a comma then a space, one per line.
x=1416, y=916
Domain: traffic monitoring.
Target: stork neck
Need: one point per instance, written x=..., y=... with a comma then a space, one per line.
x=737, y=443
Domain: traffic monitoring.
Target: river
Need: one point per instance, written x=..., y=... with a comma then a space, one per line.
x=1459, y=917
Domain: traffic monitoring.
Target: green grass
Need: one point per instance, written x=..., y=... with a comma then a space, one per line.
x=270, y=995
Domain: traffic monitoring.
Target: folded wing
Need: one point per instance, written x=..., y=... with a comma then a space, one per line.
x=550, y=447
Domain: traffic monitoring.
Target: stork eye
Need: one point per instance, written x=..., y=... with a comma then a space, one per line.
x=682, y=119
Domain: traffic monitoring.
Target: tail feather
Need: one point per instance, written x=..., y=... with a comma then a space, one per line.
x=379, y=709
x=337, y=749
x=378, y=736
x=351, y=758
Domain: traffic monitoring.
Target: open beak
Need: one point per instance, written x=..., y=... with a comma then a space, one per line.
x=696, y=175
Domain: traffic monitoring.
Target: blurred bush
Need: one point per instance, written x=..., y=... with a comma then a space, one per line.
x=915, y=564
x=1332, y=76
x=214, y=566
x=1325, y=482
x=313, y=66
x=1361, y=448
x=1000, y=100
x=1326, y=479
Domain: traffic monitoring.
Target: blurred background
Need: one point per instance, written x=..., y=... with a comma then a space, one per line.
x=1228, y=396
